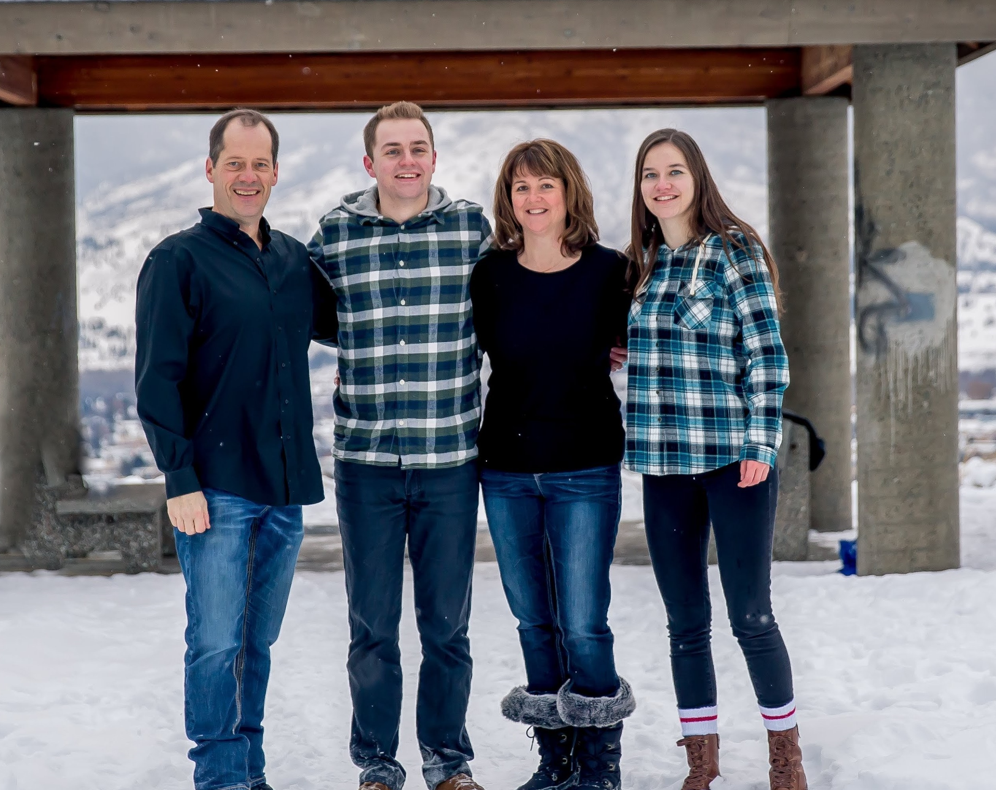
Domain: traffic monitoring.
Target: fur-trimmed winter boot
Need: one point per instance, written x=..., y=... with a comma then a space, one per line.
x=598, y=753
x=578, y=710
x=702, y=752
x=556, y=741
x=785, y=759
x=599, y=720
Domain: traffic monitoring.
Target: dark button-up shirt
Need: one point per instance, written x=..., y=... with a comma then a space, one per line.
x=221, y=370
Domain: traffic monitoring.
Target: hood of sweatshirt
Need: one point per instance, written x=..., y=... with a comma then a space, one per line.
x=364, y=203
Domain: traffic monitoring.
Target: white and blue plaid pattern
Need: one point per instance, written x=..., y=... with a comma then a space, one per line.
x=409, y=365
x=707, y=368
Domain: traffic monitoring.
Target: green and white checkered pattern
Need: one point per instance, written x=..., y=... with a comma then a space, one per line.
x=409, y=364
x=707, y=368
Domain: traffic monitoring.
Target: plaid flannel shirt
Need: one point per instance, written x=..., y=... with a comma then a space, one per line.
x=707, y=368
x=409, y=365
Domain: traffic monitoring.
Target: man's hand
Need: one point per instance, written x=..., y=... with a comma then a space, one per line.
x=752, y=473
x=617, y=357
x=189, y=513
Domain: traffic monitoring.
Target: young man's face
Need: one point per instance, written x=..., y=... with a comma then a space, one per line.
x=403, y=160
x=245, y=172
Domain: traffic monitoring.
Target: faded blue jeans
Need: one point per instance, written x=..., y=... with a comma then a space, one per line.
x=554, y=534
x=238, y=576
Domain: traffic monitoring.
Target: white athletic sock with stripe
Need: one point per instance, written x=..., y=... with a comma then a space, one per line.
x=699, y=721
x=779, y=719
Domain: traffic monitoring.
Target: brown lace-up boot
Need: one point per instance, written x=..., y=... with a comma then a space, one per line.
x=703, y=761
x=459, y=782
x=785, y=758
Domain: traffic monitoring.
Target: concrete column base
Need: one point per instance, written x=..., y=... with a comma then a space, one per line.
x=39, y=373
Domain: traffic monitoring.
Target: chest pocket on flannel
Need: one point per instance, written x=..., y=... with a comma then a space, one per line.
x=694, y=311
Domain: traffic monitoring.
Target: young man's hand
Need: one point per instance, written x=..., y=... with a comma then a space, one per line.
x=189, y=513
x=617, y=357
x=752, y=473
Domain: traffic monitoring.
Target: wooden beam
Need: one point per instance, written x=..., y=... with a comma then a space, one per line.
x=970, y=50
x=826, y=68
x=438, y=79
x=18, y=84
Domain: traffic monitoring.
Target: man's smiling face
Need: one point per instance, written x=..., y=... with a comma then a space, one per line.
x=403, y=160
x=244, y=174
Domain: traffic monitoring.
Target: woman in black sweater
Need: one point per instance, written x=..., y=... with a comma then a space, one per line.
x=549, y=305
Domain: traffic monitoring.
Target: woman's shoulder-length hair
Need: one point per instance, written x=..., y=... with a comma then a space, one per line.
x=539, y=158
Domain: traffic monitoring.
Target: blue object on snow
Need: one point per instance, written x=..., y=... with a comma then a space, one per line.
x=849, y=556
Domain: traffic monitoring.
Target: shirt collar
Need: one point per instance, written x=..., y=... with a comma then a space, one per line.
x=229, y=228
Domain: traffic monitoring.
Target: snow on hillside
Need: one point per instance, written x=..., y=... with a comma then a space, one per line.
x=117, y=225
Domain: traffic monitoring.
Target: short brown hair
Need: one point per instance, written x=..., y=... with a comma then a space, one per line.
x=249, y=118
x=545, y=158
x=400, y=110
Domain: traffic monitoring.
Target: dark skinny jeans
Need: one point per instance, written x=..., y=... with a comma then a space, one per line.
x=678, y=510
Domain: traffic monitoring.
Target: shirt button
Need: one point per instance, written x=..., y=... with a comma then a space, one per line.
x=286, y=400
x=402, y=302
x=283, y=364
x=402, y=342
x=402, y=382
x=401, y=263
x=401, y=422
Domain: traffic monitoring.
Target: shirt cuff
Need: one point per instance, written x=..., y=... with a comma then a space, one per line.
x=182, y=481
x=757, y=452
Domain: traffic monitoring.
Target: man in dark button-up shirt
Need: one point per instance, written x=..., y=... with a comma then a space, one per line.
x=225, y=313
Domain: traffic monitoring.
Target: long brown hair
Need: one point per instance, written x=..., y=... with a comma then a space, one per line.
x=545, y=158
x=710, y=214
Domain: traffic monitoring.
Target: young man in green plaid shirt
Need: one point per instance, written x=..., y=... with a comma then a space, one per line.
x=399, y=257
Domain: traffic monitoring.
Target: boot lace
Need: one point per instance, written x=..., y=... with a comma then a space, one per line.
x=462, y=782
x=782, y=761
x=600, y=765
x=698, y=764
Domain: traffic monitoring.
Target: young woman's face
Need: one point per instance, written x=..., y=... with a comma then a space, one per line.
x=666, y=183
x=539, y=203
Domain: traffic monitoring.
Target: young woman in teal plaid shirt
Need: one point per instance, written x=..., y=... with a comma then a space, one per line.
x=707, y=371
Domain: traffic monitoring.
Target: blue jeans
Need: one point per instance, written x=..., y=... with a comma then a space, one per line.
x=238, y=576
x=554, y=534
x=435, y=510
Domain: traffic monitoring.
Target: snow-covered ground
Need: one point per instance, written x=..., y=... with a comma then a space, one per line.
x=896, y=680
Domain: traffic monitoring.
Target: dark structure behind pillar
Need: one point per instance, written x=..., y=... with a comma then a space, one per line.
x=907, y=362
x=808, y=218
x=39, y=375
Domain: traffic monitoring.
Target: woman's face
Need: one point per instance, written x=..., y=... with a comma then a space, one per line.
x=666, y=183
x=539, y=203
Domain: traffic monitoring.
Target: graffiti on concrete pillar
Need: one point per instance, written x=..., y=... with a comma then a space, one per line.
x=904, y=312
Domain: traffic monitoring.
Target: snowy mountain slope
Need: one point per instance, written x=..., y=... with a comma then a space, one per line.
x=117, y=225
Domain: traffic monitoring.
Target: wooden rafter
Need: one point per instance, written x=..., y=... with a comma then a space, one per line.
x=18, y=85
x=825, y=69
x=970, y=50
x=436, y=79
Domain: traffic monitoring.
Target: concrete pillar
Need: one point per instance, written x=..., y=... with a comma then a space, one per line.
x=907, y=361
x=39, y=371
x=808, y=218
